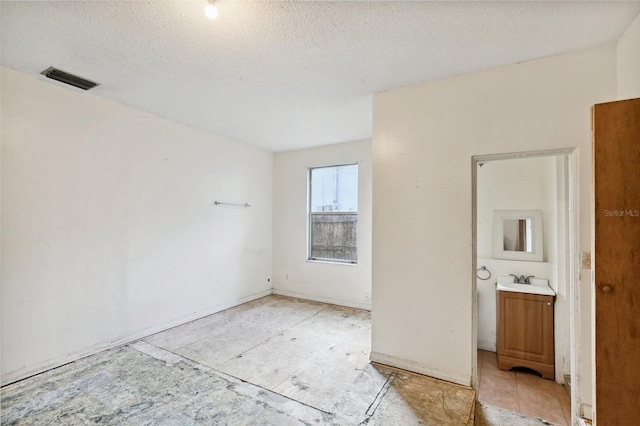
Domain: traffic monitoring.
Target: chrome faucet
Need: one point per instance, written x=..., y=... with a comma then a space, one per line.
x=521, y=279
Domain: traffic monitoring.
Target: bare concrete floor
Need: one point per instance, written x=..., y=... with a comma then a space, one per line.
x=273, y=361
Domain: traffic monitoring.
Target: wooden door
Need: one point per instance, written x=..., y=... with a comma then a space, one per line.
x=616, y=262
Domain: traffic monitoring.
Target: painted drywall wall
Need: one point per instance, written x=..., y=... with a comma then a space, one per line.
x=516, y=184
x=424, y=137
x=293, y=274
x=628, y=62
x=109, y=231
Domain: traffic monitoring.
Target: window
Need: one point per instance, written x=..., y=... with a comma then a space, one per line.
x=333, y=213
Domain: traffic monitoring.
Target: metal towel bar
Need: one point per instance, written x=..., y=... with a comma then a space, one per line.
x=219, y=203
x=483, y=268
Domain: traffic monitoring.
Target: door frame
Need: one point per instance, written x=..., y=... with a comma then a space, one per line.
x=572, y=262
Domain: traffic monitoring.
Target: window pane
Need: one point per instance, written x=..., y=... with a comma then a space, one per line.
x=333, y=236
x=333, y=216
x=334, y=189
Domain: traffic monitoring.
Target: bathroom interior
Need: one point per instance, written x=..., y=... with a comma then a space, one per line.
x=522, y=251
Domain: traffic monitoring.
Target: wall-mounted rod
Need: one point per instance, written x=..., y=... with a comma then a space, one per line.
x=487, y=275
x=218, y=203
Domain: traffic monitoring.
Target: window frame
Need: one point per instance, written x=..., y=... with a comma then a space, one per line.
x=311, y=213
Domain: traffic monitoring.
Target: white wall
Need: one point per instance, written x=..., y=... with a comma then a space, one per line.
x=293, y=274
x=424, y=137
x=517, y=184
x=628, y=62
x=109, y=231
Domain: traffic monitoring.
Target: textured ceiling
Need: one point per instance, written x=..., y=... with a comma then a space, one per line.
x=284, y=75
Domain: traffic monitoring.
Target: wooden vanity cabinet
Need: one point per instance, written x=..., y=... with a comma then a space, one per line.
x=525, y=332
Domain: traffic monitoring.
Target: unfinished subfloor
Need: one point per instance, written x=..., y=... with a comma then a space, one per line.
x=273, y=361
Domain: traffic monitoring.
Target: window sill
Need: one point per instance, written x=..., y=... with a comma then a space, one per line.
x=332, y=262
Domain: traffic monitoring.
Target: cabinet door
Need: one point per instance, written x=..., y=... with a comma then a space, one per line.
x=526, y=326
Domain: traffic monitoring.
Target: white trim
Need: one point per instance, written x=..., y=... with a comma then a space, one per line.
x=587, y=412
x=525, y=154
x=487, y=345
x=330, y=300
x=310, y=211
x=473, y=274
x=573, y=264
x=416, y=367
x=333, y=262
x=582, y=422
x=14, y=376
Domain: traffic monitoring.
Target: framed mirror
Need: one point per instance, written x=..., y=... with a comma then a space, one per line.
x=517, y=235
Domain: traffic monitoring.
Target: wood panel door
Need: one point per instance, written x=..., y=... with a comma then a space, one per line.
x=616, y=262
x=525, y=332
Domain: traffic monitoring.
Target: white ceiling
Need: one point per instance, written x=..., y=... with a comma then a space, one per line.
x=284, y=75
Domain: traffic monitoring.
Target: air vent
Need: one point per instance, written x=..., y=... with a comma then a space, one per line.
x=65, y=77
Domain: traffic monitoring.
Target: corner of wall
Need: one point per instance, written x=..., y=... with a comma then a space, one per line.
x=628, y=62
x=110, y=230
x=292, y=274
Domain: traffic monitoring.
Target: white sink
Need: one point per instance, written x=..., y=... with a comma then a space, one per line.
x=537, y=286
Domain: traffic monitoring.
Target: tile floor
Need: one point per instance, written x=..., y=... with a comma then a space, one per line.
x=522, y=392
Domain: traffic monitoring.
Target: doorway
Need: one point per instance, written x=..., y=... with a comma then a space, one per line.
x=532, y=181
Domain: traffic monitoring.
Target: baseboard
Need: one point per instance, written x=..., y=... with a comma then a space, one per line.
x=587, y=411
x=416, y=367
x=487, y=345
x=14, y=376
x=366, y=306
x=584, y=422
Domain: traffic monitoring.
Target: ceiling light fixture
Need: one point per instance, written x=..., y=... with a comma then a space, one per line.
x=211, y=10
